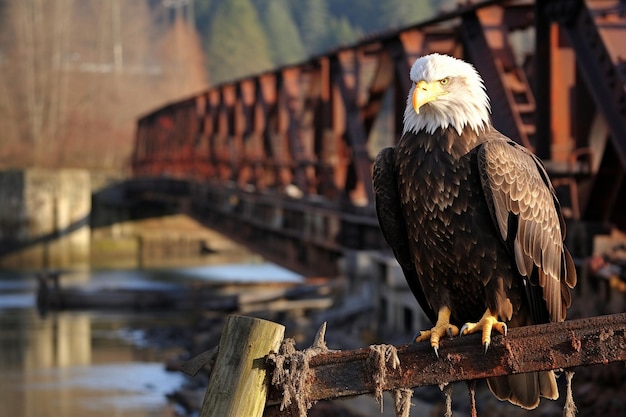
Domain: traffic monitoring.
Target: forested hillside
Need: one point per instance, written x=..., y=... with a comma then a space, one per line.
x=241, y=37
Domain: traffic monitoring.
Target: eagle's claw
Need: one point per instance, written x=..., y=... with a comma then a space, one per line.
x=487, y=323
x=441, y=329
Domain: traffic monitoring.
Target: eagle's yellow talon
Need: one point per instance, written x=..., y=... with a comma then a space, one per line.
x=451, y=331
x=423, y=335
x=442, y=328
x=487, y=323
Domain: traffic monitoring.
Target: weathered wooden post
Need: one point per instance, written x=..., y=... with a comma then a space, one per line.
x=239, y=384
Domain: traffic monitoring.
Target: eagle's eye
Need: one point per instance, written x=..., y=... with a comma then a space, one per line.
x=444, y=81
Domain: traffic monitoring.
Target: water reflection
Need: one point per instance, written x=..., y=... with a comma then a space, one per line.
x=77, y=363
x=91, y=364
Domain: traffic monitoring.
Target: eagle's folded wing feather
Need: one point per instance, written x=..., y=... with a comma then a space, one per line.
x=392, y=224
x=527, y=215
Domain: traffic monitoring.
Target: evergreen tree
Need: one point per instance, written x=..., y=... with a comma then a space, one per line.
x=236, y=43
x=398, y=13
x=444, y=5
x=203, y=10
x=342, y=33
x=285, y=44
x=314, y=20
x=363, y=15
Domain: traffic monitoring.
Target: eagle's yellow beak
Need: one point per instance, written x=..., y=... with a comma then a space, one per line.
x=426, y=92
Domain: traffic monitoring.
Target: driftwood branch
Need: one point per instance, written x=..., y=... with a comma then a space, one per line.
x=597, y=340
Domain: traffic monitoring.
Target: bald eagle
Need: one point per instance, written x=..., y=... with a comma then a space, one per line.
x=472, y=219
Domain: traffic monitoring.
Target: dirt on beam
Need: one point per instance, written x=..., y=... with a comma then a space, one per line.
x=334, y=374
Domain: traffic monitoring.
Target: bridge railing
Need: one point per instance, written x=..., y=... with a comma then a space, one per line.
x=306, y=234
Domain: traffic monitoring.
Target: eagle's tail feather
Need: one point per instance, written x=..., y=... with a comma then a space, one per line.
x=525, y=389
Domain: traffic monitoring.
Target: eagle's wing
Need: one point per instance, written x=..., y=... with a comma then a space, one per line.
x=392, y=224
x=528, y=216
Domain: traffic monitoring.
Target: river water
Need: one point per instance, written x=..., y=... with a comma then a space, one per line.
x=94, y=363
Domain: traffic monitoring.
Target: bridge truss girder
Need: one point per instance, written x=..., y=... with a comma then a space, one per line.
x=311, y=130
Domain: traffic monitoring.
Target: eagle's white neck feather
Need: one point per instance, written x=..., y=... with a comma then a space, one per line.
x=466, y=105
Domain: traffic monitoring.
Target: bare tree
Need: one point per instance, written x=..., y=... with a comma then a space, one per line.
x=75, y=75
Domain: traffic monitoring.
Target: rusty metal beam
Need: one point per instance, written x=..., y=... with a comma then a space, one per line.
x=381, y=80
x=326, y=140
x=543, y=80
x=243, y=126
x=595, y=31
x=583, y=342
x=267, y=98
x=492, y=61
x=597, y=65
x=293, y=100
x=345, y=70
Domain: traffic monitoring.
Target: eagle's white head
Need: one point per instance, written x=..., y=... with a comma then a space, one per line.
x=446, y=92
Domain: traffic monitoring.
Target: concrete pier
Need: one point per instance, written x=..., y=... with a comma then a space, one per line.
x=44, y=218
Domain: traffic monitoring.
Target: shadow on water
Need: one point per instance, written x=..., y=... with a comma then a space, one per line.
x=8, y=246
x=106, y=206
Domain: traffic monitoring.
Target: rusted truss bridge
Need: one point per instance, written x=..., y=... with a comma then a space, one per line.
x=282, y=160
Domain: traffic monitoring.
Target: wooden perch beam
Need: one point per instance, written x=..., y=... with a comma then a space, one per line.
x=597, y=340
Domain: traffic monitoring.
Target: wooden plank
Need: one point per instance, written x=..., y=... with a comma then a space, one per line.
x=238, y=385
x=597, y=340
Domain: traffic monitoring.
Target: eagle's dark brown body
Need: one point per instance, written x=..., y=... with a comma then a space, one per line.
x=458, y=256
x=472, y=219
x=438, y=199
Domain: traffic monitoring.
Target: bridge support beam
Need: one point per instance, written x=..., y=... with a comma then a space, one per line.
x=44, y=218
